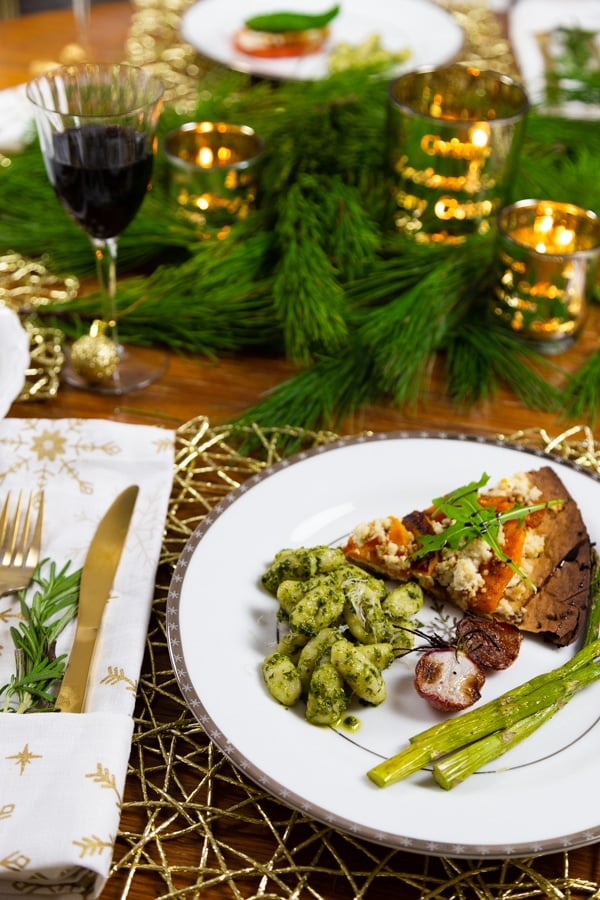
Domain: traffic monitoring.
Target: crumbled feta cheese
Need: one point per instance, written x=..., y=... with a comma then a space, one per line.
x=533, y=545
x=517, y=487
x=459, y=575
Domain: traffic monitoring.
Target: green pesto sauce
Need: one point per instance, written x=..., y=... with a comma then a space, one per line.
x=349, y=723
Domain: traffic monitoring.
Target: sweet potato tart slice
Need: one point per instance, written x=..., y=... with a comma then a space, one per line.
x=544, y=586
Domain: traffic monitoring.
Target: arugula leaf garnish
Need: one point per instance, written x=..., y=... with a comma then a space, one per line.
x=469, y=520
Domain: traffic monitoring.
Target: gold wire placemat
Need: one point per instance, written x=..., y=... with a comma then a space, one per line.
x=193, y=805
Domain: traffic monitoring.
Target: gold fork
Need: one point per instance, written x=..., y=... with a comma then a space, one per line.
x=20, y=541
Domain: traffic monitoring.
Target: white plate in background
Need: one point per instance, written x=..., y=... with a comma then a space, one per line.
x=431, y=34
x=528, y=19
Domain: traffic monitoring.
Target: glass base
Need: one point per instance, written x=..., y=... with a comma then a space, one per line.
x=137, y=368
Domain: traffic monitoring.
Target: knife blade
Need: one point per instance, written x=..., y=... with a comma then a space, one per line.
x=97, y=577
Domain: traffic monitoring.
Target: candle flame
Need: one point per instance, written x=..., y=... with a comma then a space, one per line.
x=480, y=135
x=565, y=237
x=224, y=155
x=208, y=158
x=544, y=224
x=552, y=236
x=205, y=157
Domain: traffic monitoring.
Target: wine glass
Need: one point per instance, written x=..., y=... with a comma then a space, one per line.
x=97, y=129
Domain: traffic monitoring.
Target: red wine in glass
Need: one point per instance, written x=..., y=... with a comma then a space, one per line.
x=97, y=130
x=100, y=174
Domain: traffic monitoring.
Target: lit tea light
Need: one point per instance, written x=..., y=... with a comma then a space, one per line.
x=453, y=138
x=547, y=263
x=213, y=171
x=548, y=233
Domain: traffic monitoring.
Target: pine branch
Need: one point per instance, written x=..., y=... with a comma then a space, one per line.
x=321, y=396
x=305, y=277
x=353, y=233
x=558, y=161
x=480, y=357
x=403, y=334
x=581, y=396
x=192, y=307
x=316, y=273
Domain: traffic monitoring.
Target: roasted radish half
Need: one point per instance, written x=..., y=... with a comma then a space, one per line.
x=448, y=679
x=492, y=644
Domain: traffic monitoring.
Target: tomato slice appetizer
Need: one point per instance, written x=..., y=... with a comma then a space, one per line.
x=278, y=45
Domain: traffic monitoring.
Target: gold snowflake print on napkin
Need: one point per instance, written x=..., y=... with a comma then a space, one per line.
x=42, y=449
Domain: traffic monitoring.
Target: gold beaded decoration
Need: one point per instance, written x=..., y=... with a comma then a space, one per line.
x=26, y=286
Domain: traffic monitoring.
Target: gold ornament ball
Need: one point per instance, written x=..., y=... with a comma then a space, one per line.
x=95, y=358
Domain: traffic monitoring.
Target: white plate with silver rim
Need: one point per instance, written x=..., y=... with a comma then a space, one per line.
x=222, y=623
x=430, y=34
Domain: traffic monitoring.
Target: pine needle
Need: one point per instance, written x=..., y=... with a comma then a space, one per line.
x=480, y=357
x=558, y=161
x=402, y=335
x=321, y=396
x=308, y=300
x=581, y=396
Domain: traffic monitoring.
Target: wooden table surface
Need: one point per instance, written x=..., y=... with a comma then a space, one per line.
x=222, y=389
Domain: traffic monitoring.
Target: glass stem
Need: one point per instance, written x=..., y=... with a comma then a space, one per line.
x=81, y=11
x=106, y=269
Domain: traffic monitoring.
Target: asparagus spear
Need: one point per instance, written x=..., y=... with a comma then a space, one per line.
x=592, y=630
x=458, y=747
x=548, y=690
x=454, y=768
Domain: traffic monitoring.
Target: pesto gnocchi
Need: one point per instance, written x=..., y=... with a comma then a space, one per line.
x=340, y=629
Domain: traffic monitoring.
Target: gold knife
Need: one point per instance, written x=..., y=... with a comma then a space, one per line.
x=97, y=578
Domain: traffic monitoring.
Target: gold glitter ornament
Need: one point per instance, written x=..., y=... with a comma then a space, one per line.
x=95, y=356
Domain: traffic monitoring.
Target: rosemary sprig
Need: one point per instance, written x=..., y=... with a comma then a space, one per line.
x=38, y=668
x=469, y=520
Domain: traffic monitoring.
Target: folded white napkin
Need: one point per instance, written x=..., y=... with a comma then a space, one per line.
x=14, y=357
x=530, y=21
x=16, y=120
x=62, y=775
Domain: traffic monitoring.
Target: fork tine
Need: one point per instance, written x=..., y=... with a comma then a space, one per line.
x=10, y=530
x=20, y=544
x=4, y=521
x=33, y=553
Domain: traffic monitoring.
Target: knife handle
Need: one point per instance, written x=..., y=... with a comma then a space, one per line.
x=71, y=696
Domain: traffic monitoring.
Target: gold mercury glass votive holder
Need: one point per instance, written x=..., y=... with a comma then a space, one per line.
x=546, y=268
x=213, y=171
x=453, y=138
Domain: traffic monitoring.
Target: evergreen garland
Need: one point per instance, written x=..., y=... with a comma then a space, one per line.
x=315, y=274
